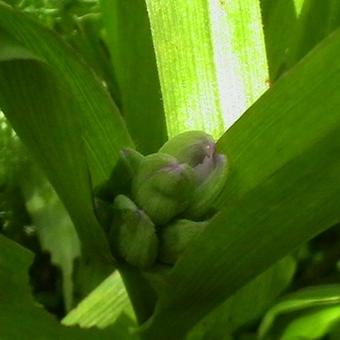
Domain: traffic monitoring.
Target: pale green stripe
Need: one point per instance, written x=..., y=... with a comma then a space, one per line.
x=103, y=306
x=181, y=36
x=298, y=6
x=211, y=59
x=240, y=55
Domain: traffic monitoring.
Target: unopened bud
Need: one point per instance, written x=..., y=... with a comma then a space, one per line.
x=133, y=235
x=190, y=147
x=210, y=188
x=163, y=187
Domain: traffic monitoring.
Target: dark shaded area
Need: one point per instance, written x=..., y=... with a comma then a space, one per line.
x=46, y=282
x=16, y=224
x=321, y=262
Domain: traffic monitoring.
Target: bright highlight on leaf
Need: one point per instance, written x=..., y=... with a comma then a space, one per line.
x=211, y=60
x=239, y=55
x=298, y=6
x=103, y=306
x=309, y=313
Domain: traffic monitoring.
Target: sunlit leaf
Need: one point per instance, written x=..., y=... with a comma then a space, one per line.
x=103, y=306
x=320, y=307
x=283, y=155
x=211, y=61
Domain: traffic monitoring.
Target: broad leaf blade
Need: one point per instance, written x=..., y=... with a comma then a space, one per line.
x=211, y=61
x=249, y=303
x=282, y=190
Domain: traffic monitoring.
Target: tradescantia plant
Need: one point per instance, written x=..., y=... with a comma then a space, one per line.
x=182, y=180
x=197, y=200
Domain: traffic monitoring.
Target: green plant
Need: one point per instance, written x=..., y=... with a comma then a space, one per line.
x=266, y=89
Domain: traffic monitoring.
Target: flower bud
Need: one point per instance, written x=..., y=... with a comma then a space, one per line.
x=132, y=159
x=190, y=147
x=210, y=187
x=175, y=238
x=163, y=187
x=197, y=149
x=133, y=236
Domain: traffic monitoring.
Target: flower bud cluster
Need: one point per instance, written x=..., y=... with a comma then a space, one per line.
x=170, y=198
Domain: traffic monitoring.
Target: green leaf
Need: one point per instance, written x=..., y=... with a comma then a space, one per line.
x=211, y=61
x=70, y=124
x=280, y=19
x=319, y=310
x=55, y=230
x=22, y=318
x=314, y=325
x=282, y=190
x=103, y=306
x=316, y=21
x=249, y=303
x=87, y=38
x=133, y=60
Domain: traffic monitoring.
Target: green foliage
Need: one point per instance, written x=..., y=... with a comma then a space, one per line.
x=199, y=239
x=21, y=316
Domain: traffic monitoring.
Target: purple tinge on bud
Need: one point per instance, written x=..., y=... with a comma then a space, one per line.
x=163, y=187
x=209, y=163
x=190, y=147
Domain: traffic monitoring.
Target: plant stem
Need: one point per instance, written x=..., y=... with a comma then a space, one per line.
x=141, y=294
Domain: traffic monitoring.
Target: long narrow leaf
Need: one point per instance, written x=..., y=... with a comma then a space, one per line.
x=321, y=306
x=283, y=155
x=132, y=55
x=64, y=116
x=211, y=61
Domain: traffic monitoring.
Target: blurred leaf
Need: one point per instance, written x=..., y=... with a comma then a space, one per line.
x=70, y=124
x=103, y=306
x=211, y=61
x=279, y=21
x=294, y=27
x=22, y=318
x=55, y=230
x=313, y=325
x=86, y=36
x=248, y=303
x=316, y=21
x=283, y=155
x=319, y=308
x=12, y=155
x=128, y=36
x=62, y=161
